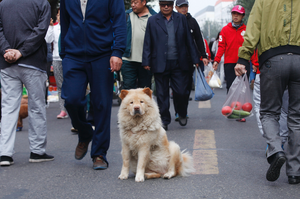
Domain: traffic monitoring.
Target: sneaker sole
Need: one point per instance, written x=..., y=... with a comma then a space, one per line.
x=6, y=163
x=40, y=160
x=274, y=171
x=62, y=117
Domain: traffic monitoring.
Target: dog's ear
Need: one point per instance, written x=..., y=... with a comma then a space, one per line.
x=123, y=94
x=148, y=91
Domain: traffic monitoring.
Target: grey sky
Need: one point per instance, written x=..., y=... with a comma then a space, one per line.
x=197, y=5
x=194, y=5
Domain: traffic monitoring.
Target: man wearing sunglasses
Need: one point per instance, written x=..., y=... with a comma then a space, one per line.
x=168, y=42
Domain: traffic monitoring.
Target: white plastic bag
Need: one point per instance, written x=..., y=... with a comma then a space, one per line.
x=215, y=81
x=238, y=103
x=208, y=71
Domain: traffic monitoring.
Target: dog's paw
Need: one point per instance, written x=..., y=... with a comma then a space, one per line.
x=139, y=178
x=169, y=175
x=123, y=176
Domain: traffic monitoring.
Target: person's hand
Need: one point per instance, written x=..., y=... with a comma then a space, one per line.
x=205, y=61
x=147, y=67
x=9, y=57
x=51, y=22
x=115, y=63
x=240, y=69
x=197, y=65
x=12, y=55
x=254, y=68
x=215, y=65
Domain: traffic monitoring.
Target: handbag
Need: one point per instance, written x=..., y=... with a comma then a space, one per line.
x=202, y=91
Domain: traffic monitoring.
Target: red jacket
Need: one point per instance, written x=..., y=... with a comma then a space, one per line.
x=230, y=41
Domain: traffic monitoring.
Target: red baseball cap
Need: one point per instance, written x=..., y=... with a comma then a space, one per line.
x=239, y=9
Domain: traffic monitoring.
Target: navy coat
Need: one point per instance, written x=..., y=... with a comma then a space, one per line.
x=156, y=43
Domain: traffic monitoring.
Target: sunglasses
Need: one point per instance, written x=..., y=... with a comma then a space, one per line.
x=166, y=4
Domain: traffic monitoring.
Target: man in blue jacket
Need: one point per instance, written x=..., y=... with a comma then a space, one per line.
x=168, y=42
x=134, y=75
x=93, y=39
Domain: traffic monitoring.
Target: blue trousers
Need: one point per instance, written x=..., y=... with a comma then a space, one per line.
x=76, y=77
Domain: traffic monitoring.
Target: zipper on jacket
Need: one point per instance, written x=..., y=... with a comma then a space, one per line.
x=291, y=21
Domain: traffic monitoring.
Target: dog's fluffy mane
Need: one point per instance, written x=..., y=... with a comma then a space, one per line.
x=149, y=121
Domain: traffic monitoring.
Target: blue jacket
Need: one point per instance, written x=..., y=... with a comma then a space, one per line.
x=156, y=43
x=101, y=33
x=127, y=52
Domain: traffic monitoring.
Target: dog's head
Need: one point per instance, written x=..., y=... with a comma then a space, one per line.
x=136, y=101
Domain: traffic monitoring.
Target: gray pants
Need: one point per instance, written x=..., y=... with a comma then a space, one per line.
x=284, y=131
x=278, y=73
x=58, y=74
x=12, y=80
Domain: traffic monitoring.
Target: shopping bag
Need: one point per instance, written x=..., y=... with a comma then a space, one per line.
x=215, y=81
x=238, y=103
x=208, y=71
x=202, y=90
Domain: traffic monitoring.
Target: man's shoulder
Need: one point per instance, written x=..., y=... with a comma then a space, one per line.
x=128, y=11
x=153, y=18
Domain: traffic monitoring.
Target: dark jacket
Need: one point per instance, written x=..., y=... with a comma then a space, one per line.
x=156, y=43
x=197, y=35
x=101, y=33
x=127, y=52
x=23, y=26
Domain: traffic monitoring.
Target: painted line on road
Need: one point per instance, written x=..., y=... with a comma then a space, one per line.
x=205, y=104
x=205, y=161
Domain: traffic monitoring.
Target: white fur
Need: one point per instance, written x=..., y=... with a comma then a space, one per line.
x=145, y=147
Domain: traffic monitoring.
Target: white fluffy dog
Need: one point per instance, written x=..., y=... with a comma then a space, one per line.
x=145, y=146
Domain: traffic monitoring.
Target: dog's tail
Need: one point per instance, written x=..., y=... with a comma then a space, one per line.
x=187, y=164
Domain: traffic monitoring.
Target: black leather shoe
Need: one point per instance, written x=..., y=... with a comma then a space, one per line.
x=165, y=126
x=182, y=121
x=276, y=161
x=294, y=179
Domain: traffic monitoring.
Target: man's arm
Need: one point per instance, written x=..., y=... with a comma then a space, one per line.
x=221, y=49
x=36, y=38
x=117, y=12
x=147, y=47
x=199, y=40
x=4, y=45
x=64, y=24
x=190, y=43
x=251, y=38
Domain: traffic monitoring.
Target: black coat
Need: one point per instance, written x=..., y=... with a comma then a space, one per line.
x=197, y=35
x=156, y=43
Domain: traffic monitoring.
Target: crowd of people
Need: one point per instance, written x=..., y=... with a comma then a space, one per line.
x=148, y=48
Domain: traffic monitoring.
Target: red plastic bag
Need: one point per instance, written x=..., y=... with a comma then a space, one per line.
x=238, y=103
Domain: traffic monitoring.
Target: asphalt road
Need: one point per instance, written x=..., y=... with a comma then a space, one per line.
x=229, y=159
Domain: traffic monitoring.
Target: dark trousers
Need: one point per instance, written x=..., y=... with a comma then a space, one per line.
x=135, y=76
x=277, y=73
x=230, y=74
x=179, y=81
x=76, y=77
x=190, y=85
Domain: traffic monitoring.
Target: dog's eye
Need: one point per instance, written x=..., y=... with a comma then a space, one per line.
x=131, y=102
x=142, y=101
